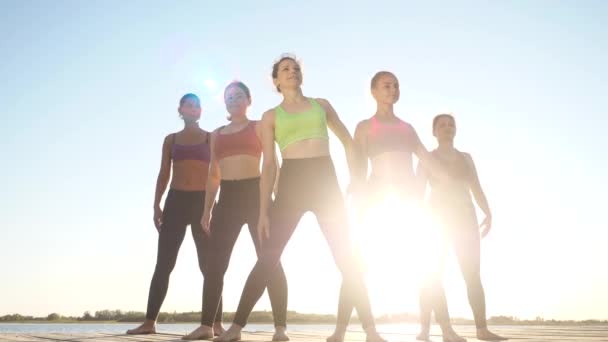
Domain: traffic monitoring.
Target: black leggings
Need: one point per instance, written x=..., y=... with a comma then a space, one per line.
x=182, y=208
x=308, y=184
x=239, y=203
x=375, y=189
x=460, y=229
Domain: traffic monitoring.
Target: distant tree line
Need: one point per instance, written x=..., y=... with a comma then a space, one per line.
x=165, y=317
x=266, y=317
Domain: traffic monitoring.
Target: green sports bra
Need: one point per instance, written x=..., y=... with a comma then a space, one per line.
x=290, y=128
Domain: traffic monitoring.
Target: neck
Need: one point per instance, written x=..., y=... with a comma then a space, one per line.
x=239, y=119
x=292, y=95
x=385, y=110
x=191, y=126
x=445, y=145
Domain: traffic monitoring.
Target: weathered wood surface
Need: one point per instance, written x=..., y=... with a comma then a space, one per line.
x=515, y=333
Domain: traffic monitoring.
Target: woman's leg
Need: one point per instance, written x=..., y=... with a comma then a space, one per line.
x=467, y=248
x=170, y=238
x=277, y=284
x=329, y=209
x=225, y=228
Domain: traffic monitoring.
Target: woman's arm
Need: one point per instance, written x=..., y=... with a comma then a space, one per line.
x=360, y=150
x=479, y=196
x=335, y=125
x=428, y=161
x=258, y=132
x=421, y=180
x=269, y=168
x=162, y=180
x=213, y=183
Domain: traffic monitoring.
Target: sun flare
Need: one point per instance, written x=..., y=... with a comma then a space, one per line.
x=399, y=247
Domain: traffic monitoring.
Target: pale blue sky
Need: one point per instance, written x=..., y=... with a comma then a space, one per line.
x=90, y=89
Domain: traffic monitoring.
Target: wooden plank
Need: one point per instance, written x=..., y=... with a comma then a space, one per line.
x=518, y=333
x=18, y=338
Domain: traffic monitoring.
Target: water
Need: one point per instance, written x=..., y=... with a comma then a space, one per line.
x=177, y=328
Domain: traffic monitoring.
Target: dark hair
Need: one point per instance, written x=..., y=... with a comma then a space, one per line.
x=275, y=66
x=237, y=83
x=380, y=74
x=188, y=97
x=439, y=116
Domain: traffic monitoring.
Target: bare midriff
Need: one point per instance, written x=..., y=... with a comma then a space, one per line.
x=393, y=165
x=241, y=166
x=189, y=175
x=308, y=148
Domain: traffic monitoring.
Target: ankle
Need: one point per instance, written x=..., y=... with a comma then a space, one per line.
x=235, y=327
x=447, y=330
x=369, y=330
x=149, y=323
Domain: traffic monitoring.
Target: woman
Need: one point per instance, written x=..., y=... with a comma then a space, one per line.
x=389, y=144
x=236, y=151
x=187, y=154
x=451, y=203
x=308, y=183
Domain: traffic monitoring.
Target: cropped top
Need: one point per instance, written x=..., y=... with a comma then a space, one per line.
x=383, y=137
x=244, y=141
x=200, y=152
x=293, y=127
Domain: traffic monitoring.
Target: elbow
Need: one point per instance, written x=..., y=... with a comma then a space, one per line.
x=163, y=177
x=269, y=166
x=213, y=181
x=349, y=146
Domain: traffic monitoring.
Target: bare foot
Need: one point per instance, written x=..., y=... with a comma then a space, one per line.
x=201, y=333
x=486, y=335
x=232, y=334
x=424, y=335
x=373, y=336
x=279, y=334
x=337, y=336
x=218, y=328
x=148, y=327
x=451, y=336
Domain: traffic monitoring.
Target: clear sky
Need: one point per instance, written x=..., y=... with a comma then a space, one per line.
x=89, y=90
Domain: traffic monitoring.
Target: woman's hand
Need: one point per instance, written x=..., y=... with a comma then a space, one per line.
x=205, y=222
x=263, y=228
x=486, y=226
x=158, y=218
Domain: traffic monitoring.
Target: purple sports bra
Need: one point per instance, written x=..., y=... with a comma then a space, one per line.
x=200, y=152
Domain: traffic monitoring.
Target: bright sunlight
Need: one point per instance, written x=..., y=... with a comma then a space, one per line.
x=399, y=247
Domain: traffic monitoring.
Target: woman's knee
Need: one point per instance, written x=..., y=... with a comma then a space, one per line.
x=163, y=270
x=472, y=278
x=269, y=260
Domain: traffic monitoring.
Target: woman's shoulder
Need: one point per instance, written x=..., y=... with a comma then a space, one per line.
x=268, y=118
x=363, y=125
x=323, y=103
x=170, y=138
x=465, y=155
x=268, y=115
x=320, y=100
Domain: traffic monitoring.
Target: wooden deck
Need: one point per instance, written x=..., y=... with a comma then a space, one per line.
x=515, y=333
